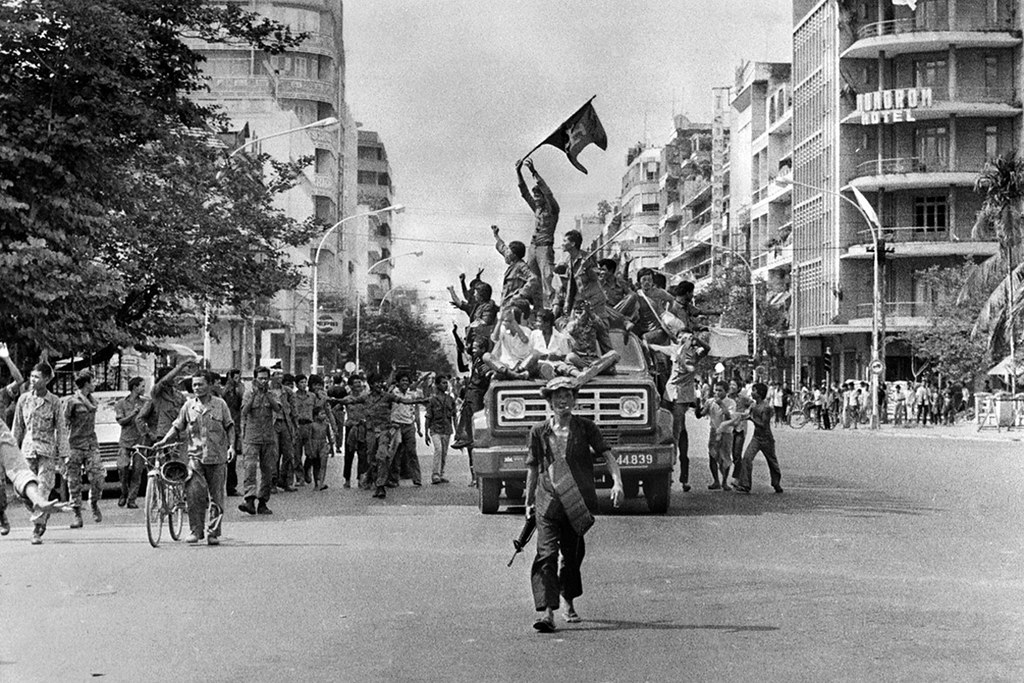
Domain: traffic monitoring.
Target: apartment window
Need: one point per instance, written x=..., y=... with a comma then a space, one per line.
x=650, y=208
x=931, y=74
x=371, y=153
x=324, y=161
x=383, y=179
x=323, y=209
x=651, y=171
x=931, y=14
x=930, y=214
x=933, y=147
x=367, y=178
x=991, y=142
x=227, y=66
x=383, y=230
x=992, y=72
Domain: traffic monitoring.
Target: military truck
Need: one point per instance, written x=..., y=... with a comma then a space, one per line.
x=625, y=405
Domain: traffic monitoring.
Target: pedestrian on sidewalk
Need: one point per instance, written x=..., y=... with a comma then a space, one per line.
x=211, y=445
x=762, y=441
x=40, y=432
x=561, y=497
x=440, y=421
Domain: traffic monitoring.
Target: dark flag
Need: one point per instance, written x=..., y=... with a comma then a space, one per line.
x=578, y=131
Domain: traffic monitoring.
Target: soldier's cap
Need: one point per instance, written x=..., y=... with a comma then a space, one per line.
x=559, y=383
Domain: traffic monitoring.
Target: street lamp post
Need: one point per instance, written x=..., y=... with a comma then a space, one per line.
x=380, y=308
x=871, y=218
x=397, y=208
x=368, y=271
x=322, y=123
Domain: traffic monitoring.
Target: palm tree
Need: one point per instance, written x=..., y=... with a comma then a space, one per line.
x=1002, y=184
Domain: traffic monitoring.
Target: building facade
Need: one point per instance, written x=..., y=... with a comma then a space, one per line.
x=375, y=191
x=274, y=93
x=905, y=105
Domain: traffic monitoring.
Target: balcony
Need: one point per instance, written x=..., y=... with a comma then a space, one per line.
x=306, y=89
x=918, y=242
x=911, y=35
x=898, y=309
x=910, y=173
x=673, y=214
x=971, y=100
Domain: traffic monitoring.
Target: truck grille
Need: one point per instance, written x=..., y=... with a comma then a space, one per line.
x=600, y=404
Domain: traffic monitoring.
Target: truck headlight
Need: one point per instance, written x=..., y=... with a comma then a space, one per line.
x=514, y=408
x=631, y=406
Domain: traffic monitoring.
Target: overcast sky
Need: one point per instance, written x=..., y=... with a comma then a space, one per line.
x=460, y=89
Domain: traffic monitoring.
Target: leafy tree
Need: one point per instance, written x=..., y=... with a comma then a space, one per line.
x=113, y=220
x=391, y=339
x=948, y=341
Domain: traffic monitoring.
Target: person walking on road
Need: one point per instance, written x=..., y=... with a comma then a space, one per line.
x=406, y=416
x=440, y=420
x=259, y=443
x=21, y=475
x=84, y=449
x=355, y=436
x=561, y=497
x=41, y=434
x=211, y=445
x=762, y=441
x=233, y=392
x=130, y=465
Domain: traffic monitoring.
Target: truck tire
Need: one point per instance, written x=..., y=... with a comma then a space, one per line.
x=657, y=490
x=490, y=489
x=631, y=487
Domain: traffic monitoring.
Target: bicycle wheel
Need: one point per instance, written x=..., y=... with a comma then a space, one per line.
x=175, y=511
x=797, y=419
x=154, y=511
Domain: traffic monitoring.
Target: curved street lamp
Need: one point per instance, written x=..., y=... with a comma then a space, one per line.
x=867, y=212
x=396, y=208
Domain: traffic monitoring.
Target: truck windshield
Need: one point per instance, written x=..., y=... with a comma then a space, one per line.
x=632, y=357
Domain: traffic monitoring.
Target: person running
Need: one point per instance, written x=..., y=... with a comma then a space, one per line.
x=440, y=421
x=763, y=441
x=561, y=497
x=540, y=256
x=84, y=449
x=211, y=445
x=40, y=432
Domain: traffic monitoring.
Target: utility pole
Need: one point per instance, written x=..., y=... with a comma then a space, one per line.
x=796, y=329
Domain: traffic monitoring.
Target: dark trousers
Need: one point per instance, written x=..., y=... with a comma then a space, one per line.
x=762, y=445
x=682, y=440
x=206, y=483
x=409, y=462
x=131, y=466
x=3, y=491
x=260, y=462
x=383, y=445
x=737, y=453
x=355, y=449
x=551, y=575
x=232, y=466
x=303, y=445
x=285, y=468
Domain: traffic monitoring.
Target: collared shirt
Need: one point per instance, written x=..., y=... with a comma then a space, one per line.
x=582, y=443
x=258, y=412
x=519, y=281
x=512, y=349
x=545, y=213
x=357, y=411
x=403, y=413
x=207, y=425
x=159, y=415
x=303, y=403
x=582, y=283
x=378, y=409
x=39, y=426
x=558, y=344
x=130, y=434
x=80, y=413
x=13, y=463
x=616, y=289
x=440, y=414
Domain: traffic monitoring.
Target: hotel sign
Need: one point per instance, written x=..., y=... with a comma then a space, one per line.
x=892, y=106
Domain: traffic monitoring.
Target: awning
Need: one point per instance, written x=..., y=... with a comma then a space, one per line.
x=1004, y=367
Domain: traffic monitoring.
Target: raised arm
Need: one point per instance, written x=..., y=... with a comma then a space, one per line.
x=549, y=196
x=169, y=377
x=16, y=376
x=499, y=243
x=523, y=189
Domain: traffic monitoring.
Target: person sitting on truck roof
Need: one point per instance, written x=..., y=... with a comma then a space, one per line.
x=549, y=346
x=583, y=358
x=511, y=350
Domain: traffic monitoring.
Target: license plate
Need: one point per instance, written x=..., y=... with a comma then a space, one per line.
x=630, y=459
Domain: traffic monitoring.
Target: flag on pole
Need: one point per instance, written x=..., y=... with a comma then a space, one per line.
x=578, y=131
x=912, y=4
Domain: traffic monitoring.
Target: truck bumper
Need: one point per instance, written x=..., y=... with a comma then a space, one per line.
x=635, y=460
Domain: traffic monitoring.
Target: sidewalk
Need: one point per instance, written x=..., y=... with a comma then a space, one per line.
x=967, y=431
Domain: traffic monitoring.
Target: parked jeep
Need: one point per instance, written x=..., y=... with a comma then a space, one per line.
x=625, y=405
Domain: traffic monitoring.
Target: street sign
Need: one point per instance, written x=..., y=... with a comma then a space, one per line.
x=876, y=367
x=328, y=323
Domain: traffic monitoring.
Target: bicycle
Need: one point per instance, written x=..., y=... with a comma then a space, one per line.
x=798, y=418
x=165, y=492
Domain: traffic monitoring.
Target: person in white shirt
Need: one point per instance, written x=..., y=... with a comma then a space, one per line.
x=548, y=346
x=512, y=348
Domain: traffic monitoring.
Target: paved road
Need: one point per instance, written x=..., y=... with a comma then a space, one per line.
x=886, y=559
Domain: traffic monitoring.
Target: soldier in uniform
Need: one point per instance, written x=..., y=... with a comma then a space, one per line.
x=303, y=401
x=40, y=433
x=355, y=437
x=130, y=465
x=80, y=413
x=259, y=443
x=164, y=404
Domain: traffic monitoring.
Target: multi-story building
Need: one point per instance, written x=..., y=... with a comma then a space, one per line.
x=376, y=191
x=271, y=94
x=637, y=240
x=905, y=105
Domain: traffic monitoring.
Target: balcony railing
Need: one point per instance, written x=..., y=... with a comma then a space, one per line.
x=903, y=165
x=899, y=309
x=969, y=92
x=912, y=233
x=895, y=27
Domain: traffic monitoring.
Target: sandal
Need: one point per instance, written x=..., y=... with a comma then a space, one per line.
x=570, y=616
x=544, y=625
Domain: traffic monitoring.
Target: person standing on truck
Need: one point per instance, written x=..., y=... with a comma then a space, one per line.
x=519, y=286
x=561, y=496
x=540, y=256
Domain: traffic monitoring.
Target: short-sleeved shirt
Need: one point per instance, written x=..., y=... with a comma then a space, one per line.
x=356, y=412
x=303, y=403
x=207, y=426
x=510, y=348
x=258, y=412
x=584, y=441
x=130, y=434
x=39, y=426
x=403, y=413
x=558, y=345
x=80, y=413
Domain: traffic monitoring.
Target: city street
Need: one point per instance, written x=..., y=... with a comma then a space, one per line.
x=888, y=557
